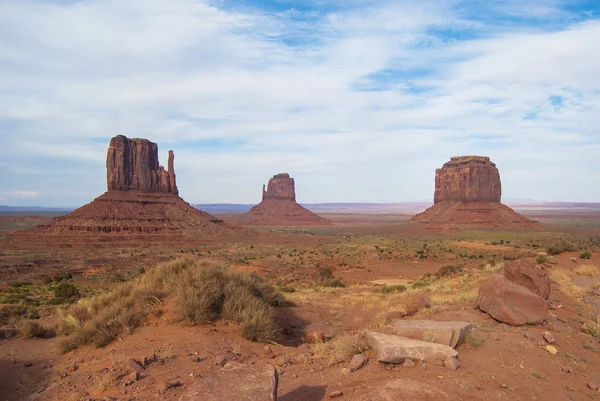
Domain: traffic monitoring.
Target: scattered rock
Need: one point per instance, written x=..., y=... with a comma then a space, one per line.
x=134, y=366
x=221, y=360
x=246, y=382
x=163, y=386
x=336, y=394
x=526, y=273
x=333, y=361
x=574, y=260
x=451, y=363
x=510, y=303
x=451, y=334
x=396, y=349
x=195, y=358
x=393, y=316
x=423, y=366
x=551, y=349
x=131, y=378
x=529, y=335
x=408, y=364
x=593, y=386
x=28, y=364
x=417, y=303
x=279, y=361
x=314, y=337
x=357, y=362
x=549, y=337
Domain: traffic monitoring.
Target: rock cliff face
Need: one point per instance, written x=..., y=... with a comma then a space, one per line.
x=467, y=194
x=142, y=199
x=468, y=179
x=281, y=186
x=132, y=165
x=279, y=207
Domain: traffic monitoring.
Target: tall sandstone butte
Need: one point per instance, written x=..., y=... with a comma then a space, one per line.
x=468, y=193
x=142, y=198
x=468, y=179
x=132, y=164
x=279, y=207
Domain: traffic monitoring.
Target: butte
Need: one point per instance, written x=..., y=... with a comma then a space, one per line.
x=467, y=194
x=279, y=207
x=142, y=201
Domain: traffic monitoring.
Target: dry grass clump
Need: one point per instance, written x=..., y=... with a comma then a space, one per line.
x=342, y=347
x=587, y=270
x=563, y=278
x=31, y=329
x=201, y=291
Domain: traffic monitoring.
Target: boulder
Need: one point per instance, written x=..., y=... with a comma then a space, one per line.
x=417, y=302
x=527, y=273
x=451, y=334
x=242, y=383
x=396, y=349
x=510, y=303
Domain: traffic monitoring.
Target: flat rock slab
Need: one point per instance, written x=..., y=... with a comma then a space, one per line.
x=396, y=349
x=240, y=383
x=451, y=334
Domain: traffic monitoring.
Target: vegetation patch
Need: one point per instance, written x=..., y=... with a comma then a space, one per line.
x=386, y=289
x=200, y=292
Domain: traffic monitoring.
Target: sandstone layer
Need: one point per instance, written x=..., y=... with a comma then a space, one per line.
x=279, y=206
x=142, y=199
x=467, y=194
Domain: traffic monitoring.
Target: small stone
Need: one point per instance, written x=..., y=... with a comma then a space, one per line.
x=134, y=366
x=424, y=366
x=529, y=335
x=131, y=378
x=195, y=359
x=164, y=385
x=551, y=349
x=393, y=316
x=593, y=386
x=336, y=394
x=221, y=360
x=357, y=362
x=268, y=352
x=408, y=364
x=28, y=364
x=333, y=361
x=549, y=337
x=294, y=376
x=279, y=361
x=451, y=363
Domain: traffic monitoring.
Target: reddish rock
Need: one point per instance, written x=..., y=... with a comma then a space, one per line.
x=527, y=273
x=279, y=208
x=467, y=193
x=467, y=179
x=314, y=337
x=132, y=164
x=281, y=186
x=451, y=363
x=417, y=303
x=357, y=362
x=244, y=382
x=393, y=316
x=510, y=303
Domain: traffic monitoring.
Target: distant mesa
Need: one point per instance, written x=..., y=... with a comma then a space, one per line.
x=142, y=199
x=468, y=193
x=279, y=206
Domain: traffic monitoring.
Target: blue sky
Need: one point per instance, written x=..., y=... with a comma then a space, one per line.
x=359, y=100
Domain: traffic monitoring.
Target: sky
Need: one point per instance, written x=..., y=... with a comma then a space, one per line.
x=360, y=101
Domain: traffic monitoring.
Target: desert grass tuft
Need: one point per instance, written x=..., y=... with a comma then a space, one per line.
x=563, y=278
x=587, y=270
x=200, y=291
x=31, y=329
x=342, y=347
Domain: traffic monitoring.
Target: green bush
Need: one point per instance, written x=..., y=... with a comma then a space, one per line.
x=63, y=277
x=66, y=291
x=585, y=255
x=449, y=270
x=561, y=246
x=541, y=259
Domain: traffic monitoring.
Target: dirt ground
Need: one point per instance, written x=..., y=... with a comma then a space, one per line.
x=364, y=252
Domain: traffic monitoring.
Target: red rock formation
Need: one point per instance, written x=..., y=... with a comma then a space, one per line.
x=281, y=186
x=467, y=179
x=467, y=194
x=279, y=207
x=132, y=164
x=142, y=198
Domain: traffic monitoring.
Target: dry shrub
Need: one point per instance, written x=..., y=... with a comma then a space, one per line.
x=342, y=347
x=31, y=329
x=201, y=292
x=563, y=278
x=11, y=313
x=587, y=270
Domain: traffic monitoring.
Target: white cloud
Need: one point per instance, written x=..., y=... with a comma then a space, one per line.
x=183, y=71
